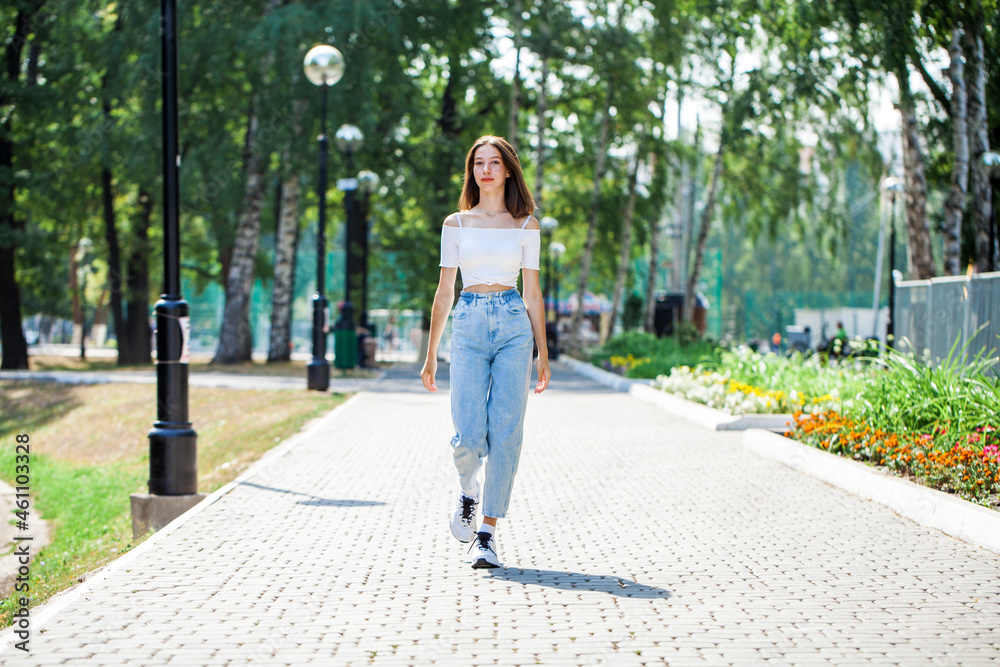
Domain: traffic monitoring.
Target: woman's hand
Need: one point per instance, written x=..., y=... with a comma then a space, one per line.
x=542, y=366
x=428, y=372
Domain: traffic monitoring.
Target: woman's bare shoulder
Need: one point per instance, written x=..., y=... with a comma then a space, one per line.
x=452, y=221
x=532, y=223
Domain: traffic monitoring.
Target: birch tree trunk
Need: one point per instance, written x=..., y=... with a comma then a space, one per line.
x=955, y=202
x=918, y=232
x=540, y=159
x=515, y=86
x=699, y=250
x=595, y=200
x=626, y=250
x=284, y=269
x=979, y=143
x=236, y=336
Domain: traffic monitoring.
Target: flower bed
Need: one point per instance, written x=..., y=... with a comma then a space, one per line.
x=968, y=466
x=745, y=382
x=937, y=424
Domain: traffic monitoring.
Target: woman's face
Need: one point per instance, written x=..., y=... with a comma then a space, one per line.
x=488, y=168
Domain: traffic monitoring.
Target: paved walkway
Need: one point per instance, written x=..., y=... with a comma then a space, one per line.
x=636, y=538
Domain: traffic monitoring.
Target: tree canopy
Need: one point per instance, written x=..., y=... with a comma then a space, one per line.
x=780, y=95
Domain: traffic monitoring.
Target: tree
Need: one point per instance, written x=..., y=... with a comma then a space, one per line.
x=600, y=158
x=626, y=242
x=621, y=80
x=954, y=204
x=287, y=237
x=26, y=18
x=987, y=255
x=517, y=20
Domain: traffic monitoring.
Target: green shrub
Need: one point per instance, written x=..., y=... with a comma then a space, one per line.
x=952, y=398
x=651, y=356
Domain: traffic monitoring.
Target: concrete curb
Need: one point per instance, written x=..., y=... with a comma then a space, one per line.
x=702, y=415
x=40, y=615
x=928, y=507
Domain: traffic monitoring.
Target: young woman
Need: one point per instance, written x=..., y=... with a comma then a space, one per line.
x=491, y=239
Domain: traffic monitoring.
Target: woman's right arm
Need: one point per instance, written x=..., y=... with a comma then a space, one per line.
x=444, y=297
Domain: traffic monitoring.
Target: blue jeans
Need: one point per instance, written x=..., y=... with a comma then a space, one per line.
x=491, y=346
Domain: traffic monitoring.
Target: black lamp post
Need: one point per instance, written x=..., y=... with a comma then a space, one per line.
x=324, y=66
x=548, y=225
x=367, y=184
x=556, y=250
x=173, y=453
x=349, y=139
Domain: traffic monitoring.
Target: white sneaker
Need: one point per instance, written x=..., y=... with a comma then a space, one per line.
x=485, y=551
x=463, y=521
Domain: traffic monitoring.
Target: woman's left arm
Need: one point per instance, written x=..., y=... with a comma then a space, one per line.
x=535, y=305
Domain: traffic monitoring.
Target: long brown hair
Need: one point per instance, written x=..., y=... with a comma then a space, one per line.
x=516, y=195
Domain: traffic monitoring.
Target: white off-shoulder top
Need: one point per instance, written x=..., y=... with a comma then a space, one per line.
x=490, y=256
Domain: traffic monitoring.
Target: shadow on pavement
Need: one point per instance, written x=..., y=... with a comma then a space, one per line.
x=569, y=581
x=314, y=501
x=326, y=502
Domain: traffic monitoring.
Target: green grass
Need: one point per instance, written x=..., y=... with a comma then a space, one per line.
x=87, y=509
x=952, y=398
x=89, y=452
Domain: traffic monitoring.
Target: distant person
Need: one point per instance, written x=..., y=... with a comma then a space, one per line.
x=390, y=335
x=839, y=345
x=492, y=239
x=367, y=346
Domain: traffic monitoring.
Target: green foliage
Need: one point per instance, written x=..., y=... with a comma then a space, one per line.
x=632, y=312
x=425, y=79
x=954, y=397
x=935, y=423
x=658, y=355
x=812, y=376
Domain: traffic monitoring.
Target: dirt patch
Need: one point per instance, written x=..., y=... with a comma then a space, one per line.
x=110, y=422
